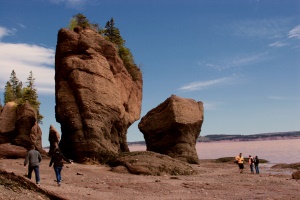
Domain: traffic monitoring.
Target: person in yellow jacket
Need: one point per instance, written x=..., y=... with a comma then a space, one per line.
x=240, y=162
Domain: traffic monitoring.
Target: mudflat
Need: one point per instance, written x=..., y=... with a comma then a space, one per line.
x=93, y=181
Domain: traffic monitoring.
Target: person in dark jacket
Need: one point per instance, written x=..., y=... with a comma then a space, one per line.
x=57, y=159
x=33, y=159
x=256, y=162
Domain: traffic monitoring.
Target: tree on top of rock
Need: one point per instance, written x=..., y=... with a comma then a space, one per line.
x=112, y=34
x=83, y=22
x=13, y=88
x=79, y=20
x=15, y=92
x=30, y=95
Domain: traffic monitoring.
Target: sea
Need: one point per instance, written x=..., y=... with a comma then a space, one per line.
x=275, y=151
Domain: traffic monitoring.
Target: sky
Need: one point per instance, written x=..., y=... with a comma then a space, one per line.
x=240, y=58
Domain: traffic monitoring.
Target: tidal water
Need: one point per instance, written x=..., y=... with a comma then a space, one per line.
x=275, y=151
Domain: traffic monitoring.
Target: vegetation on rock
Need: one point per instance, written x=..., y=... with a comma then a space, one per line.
x=14, y=91
x=112, y=34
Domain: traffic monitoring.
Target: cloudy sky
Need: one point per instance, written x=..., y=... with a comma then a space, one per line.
x=240, y=58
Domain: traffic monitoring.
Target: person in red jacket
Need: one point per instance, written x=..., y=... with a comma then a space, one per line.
x=57, y=159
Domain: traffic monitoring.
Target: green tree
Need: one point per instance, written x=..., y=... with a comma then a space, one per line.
x=79, y=20
x=8, y=93
x=112, y=33
x=30, y=95
x=13, y=89
x=15, y=92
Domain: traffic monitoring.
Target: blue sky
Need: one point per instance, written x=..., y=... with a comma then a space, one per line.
x=240, y=58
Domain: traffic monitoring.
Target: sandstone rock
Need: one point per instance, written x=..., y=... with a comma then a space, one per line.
x=54, y=138
x=27, y=129
x=8, y=118
x=149, y=163
x=12, y=151
x=173, y=127
x=26, y=118
x=296, y=175
x=36, y=131
x=96, y=98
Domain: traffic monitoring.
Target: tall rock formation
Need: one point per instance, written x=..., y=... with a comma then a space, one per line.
x=96, y=98
x=173, y=127
x=54, y=138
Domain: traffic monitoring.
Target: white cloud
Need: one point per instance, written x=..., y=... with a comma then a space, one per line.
x=295, y=32
x=235, y=62
x=249, y=59
x=210, y=106
x=267, y=28
x=204, y=84
x=5, y=32
x=24, y=58
x=70, y=3
x=278, y=44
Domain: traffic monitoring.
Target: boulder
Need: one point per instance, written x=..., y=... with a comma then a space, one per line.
x=173, y=127
x=54, y=138
x=296, y=175
x=8, y=118
x=8, y=150
x=97, y=99
x=149, y=163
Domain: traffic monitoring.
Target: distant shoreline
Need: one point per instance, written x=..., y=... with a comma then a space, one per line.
x=241, y=138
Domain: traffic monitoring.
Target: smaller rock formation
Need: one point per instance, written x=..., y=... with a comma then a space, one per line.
x=54, y=138
x=173, y=127
x=19, y=128
x=149, y=163
x=10, y=151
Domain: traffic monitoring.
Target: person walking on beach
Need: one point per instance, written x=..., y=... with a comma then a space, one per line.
x=33, y=159
x=240, y=162
x=57, y=159
x=251, y=164
x=256, y=162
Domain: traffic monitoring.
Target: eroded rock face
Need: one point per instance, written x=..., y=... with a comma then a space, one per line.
x=96, y=98
x=173, y=127
x=20, y=129
x=8, y=118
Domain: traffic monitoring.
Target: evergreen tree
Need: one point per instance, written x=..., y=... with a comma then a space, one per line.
x=15, y=92
x=8, y=93
x=79, y=20
x=30, y=95
x=13, y=89
x=113, y=33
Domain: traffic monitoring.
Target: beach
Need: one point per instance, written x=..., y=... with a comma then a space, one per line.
x=212, y=181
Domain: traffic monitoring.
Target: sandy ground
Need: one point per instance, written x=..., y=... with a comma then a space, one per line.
x=213, y=181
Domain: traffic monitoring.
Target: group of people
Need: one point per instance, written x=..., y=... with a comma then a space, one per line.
x=33, y=159
x=253, y=163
